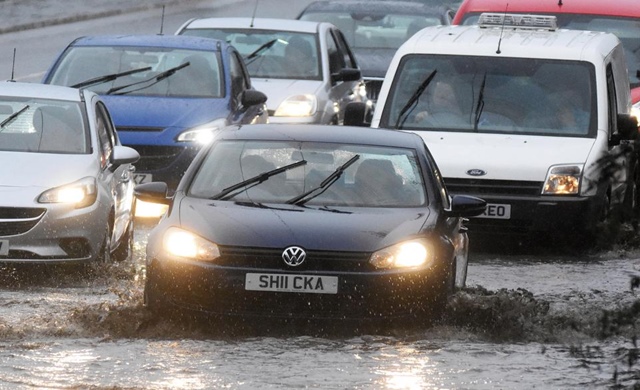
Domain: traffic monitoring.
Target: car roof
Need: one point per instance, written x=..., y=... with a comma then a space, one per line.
x=258, y=23
x=322, y=133
x=172, y=41
x=524, y=43
x=386, y=7
x=41, y=91
x=596, y=7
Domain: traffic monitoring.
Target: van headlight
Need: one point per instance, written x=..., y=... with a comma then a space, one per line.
x=183, y=243
x=297, y=106
x=202, y=134
x=81, y=193
x=563, y=180
x=408, y=254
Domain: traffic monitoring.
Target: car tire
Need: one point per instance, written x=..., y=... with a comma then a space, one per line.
x=124, y=251
x=104, y=253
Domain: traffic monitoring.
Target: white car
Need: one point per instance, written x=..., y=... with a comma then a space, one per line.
x=306, y=69
x=66, y=188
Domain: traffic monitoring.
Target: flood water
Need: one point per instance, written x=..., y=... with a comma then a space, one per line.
x=524, y=321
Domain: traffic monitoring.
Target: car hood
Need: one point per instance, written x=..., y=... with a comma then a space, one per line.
x=277, y=90
x=503, y=157
x=362, y=230
x=374, y=62
x=162, y=112
x=42, y=170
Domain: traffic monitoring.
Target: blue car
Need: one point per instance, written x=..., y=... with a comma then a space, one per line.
x=166, y=94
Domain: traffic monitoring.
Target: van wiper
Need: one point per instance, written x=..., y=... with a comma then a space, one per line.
x=413, y=99
x=244, y=185
x=13, y=116
x=480, y=104
x=259, y=50
x=108, y=77
x=326, y=183
x=157, y=78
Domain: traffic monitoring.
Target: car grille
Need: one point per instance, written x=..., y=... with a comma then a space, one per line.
x=373, y=88
x=479, y=187
x=315, y=261
x=15, y=220
x=154, y=158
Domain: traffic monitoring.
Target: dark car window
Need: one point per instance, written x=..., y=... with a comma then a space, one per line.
x=336, y=58
x=349, y=59
x=105, y=134
x=239, y=78
x=379, y=177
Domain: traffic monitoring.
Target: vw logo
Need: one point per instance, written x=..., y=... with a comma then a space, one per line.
x=476, y=172
x=294, y=256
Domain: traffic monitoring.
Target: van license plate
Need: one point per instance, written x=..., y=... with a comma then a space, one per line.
x=4, y=247
x=496, y=211
x=291, y=283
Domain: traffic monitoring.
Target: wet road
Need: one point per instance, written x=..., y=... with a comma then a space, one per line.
x=524, y=321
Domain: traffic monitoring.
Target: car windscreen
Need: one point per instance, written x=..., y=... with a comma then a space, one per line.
x=370, y=176
x=154, y=71
x=626, y=29
x=271, y=54
x=375, y=30
x=493, y=95
x=42, y=126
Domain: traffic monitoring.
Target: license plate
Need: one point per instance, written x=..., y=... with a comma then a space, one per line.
x=292, y=283
x=4, y=247
x=140, y=178
x=496, y=211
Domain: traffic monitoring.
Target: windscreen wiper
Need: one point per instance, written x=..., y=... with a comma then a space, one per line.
x=108, y=77
x=413, y=99
x=244, y=185
x=480, y=104
x=13, y=116
x=157, y=78
x=260, y=49
x=326, y=183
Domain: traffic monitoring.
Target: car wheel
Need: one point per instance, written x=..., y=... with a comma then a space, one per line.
x=104, y=254
x=125, y=249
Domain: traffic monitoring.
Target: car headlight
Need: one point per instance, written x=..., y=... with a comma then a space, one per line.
x=563, y=180
x=409, y=254
x=635, y=111
x=182, y=243
x=296, y=106
x=202, y=134
x=82, y=193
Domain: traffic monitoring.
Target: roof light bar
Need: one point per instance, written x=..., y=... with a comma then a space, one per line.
x=547, y=22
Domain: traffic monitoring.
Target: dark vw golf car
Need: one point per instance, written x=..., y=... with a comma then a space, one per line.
x=308, y=221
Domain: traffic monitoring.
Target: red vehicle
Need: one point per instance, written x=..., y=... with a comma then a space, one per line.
x=620, y=17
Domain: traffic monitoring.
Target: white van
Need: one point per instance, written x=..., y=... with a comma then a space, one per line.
x=532, y=118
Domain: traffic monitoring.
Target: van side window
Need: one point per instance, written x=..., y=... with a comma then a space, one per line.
x=612, y=102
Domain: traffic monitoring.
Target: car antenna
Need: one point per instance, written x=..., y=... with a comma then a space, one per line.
x=504, y=19
x=13, y=66
x=162, y=22
x=253, y=17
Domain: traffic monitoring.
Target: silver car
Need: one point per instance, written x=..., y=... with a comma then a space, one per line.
x=66, y=189
x=306, y=69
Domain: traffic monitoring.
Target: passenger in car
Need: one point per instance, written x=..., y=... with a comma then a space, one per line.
x=300, y=57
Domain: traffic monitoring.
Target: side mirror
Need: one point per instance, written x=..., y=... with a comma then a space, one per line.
x=252, y=97
x=124, y=155
x=346, y=74
x=627, y=126
x=154, y=192
x=466, y=206
x=356, y=114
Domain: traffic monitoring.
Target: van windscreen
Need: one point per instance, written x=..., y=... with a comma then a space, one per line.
x=493, y=95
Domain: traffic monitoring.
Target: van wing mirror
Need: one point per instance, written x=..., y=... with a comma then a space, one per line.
x=627, y=126
x=357, y=114
x=153, y=192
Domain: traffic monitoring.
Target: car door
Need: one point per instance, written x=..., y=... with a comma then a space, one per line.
x=240, y=83
x=340, y=57
x=117, y=180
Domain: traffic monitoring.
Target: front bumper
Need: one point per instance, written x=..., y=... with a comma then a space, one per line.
x=216, y=290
